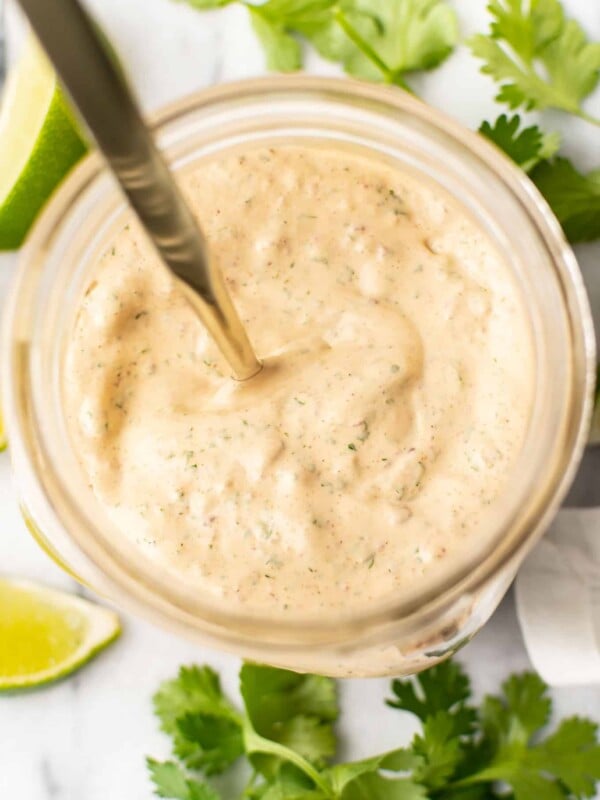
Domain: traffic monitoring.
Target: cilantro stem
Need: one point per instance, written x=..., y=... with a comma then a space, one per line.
x=390, y=75
x=588, y=118
x=255, y=743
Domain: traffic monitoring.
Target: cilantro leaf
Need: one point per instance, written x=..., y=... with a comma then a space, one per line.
x=169, y=779
x=523, y=709
x=294, y=710
x=572, y=62
x=282, y=51
x=522, y=146
x=172, y=782
x=342, y=34
x=573, y=755
x=440, y=750
x=540, y=58
x=195, y=689
x=444, y=687
x=522, y=85
x=273, y=696
x=526, y=147
x=412, y=35
x=208, y=743
x=527, y=33
x=196, y=693
x=572, y=196
x=309, y=737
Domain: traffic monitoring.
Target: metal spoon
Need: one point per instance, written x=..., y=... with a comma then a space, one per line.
x=104, y=100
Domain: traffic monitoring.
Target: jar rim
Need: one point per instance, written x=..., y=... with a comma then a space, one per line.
x=26, y=417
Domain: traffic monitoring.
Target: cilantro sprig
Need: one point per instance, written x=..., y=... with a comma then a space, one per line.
x=286, y=736
x=541, y=58
x=379, y=40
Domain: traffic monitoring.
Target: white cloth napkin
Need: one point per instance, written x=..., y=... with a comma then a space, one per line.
x=558, y=600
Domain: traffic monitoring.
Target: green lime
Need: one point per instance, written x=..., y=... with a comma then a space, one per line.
x=39, y=143
x=46, y=634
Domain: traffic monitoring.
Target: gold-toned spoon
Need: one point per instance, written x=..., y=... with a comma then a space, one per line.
x=100, y=92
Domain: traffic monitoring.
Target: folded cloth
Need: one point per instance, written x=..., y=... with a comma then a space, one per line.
x=558, y=600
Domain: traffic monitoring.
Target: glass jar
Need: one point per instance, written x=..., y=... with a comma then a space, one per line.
x=412, y=631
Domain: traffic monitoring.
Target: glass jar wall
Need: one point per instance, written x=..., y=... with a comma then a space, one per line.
x=416, y=627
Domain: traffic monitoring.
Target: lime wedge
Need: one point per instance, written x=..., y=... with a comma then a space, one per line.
x=46, y=634
x=39, y=143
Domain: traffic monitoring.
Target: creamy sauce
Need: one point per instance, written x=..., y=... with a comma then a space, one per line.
x=393, y=403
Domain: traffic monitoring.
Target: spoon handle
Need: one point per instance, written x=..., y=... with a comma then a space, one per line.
x=100, y=92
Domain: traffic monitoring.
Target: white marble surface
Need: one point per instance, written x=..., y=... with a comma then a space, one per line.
x=85, y=739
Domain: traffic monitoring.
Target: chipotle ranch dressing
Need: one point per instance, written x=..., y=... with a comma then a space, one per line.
x=393, y=402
